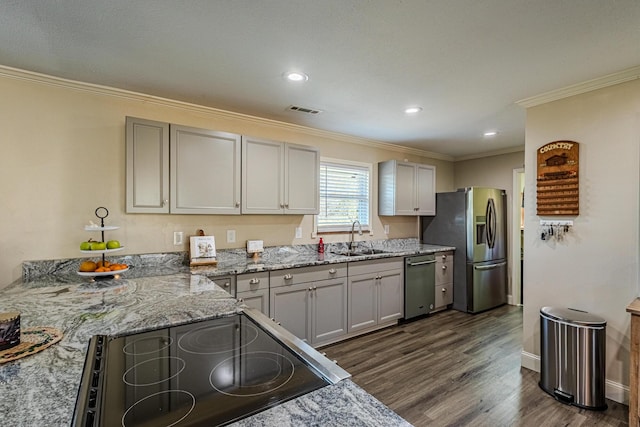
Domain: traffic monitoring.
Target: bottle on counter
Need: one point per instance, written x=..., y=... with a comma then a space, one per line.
x=321, y=246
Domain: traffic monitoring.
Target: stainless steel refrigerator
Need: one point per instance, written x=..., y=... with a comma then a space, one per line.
x=473, y=220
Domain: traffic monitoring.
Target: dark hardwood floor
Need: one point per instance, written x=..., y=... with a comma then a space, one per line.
x=458, y=369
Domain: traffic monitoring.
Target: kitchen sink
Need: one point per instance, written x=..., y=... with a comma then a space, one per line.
x=361, y=252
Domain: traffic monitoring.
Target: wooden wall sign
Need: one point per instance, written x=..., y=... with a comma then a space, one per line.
x=558, y=177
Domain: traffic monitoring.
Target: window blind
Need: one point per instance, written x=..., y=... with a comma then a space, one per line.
x=344, y=196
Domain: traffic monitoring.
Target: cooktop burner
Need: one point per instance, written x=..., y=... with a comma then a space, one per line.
x=207, y=373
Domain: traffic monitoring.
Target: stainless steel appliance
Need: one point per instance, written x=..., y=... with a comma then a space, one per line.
x=473, y=220
x=419, y=285
x=208, y=373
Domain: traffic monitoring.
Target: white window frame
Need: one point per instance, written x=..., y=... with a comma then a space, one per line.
x=347, y=227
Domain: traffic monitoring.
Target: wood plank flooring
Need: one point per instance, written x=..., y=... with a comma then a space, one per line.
x=458, y=369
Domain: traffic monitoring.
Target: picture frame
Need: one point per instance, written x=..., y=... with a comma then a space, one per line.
x=202, y=250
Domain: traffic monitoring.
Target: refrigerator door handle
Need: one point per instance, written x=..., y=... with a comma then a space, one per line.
x=491, y=223
x=490, y=266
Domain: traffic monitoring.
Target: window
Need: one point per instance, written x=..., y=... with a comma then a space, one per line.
x=344, y=195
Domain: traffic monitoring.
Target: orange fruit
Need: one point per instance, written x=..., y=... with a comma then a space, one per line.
x=88, y=266
x=105, y=264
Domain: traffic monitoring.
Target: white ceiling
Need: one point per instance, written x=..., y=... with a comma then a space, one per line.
x=465, y=62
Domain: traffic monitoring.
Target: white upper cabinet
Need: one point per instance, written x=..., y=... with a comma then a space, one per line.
x=279, y=178
x=147, y=166
x=181, y=170
x=406, y=188
x=205, y=171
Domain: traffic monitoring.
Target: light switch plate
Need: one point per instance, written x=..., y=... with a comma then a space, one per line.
x=298, y=232
x=386, y=229
x=231, y=236
x=178, y=237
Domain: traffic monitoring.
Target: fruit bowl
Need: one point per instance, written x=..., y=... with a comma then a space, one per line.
x=104, y=251
x=101, y=273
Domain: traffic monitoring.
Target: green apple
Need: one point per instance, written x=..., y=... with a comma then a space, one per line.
x=113, y=244
x=85, y=246
x=98, y=246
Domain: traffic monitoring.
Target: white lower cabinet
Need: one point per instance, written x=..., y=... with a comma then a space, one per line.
x=311, y=302
x=443, y=280
x=253, y=290
x=376, y=294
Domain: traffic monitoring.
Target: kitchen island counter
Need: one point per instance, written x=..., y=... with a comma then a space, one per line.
x=41, y=389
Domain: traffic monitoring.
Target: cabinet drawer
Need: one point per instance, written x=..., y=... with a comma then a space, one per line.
x=252, y=281
x=375, y=265
x=444, y=295
x=444, y=256
x=444, y=268
x=307, y=274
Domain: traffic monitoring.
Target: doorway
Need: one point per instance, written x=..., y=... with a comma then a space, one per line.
x=517, y=238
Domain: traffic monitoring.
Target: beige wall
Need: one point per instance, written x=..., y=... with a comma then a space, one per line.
x=63, y=155
x=596, y=267
x=494, y=172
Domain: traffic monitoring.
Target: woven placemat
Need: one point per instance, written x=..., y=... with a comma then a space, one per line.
x=32, y=340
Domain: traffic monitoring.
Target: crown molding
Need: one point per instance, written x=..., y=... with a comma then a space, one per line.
x=46, y=79
x=491, y=153
x=584, y=87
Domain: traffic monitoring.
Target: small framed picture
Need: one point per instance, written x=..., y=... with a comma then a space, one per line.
x=203, y=247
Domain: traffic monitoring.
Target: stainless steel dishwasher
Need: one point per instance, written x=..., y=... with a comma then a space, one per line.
x=419, y=285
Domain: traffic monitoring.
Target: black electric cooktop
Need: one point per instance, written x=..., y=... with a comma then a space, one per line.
x=206, y=373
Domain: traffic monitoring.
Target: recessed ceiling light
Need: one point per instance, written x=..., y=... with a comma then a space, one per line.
x=413, y=110
x=490, y=134
x=296, y=76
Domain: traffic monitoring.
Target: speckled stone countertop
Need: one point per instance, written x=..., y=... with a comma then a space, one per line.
x=159, y=290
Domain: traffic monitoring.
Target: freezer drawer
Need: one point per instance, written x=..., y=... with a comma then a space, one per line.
x=486, y=285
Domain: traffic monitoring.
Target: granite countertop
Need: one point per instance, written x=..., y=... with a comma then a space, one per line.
x=159, y=291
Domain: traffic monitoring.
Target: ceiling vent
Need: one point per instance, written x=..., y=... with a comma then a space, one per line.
x=305, y=110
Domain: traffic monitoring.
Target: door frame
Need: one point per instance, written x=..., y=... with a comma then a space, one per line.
x=516, y=243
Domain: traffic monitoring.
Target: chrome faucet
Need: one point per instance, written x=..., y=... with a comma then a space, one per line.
x=353, y=227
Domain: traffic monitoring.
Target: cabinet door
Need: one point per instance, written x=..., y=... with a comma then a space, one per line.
x=205, y=171
x=290, y=307
x=147, y=146
x=363, y=302
x=329, y=301
x=406, y=203
x=258, y=299
x=262, y=176
x=391, y=296
x=301, y=180
x=426, y=189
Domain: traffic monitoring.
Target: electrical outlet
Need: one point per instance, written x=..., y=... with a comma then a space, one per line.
x=178, y=237
x=231, y=236
x=298, y=232
x=386, y=229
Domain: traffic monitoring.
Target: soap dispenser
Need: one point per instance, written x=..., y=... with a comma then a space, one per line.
x=321, y=246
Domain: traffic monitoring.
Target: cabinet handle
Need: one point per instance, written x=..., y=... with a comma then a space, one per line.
x=286, y=205
x=237, y=204
x=288, y=277
x=282, y=205
x=254, y=281
x=226, y=285
x=164, y=202
x=444, y=257
x=444, y=267
x=315, y=288
x=444, y=289
x=332, y=271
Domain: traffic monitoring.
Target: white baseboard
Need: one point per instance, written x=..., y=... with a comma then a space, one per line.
x=613, y=391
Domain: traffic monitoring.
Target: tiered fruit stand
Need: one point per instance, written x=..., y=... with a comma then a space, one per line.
x=101, y=212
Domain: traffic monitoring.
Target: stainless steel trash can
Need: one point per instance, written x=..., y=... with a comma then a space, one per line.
x=572, y=356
